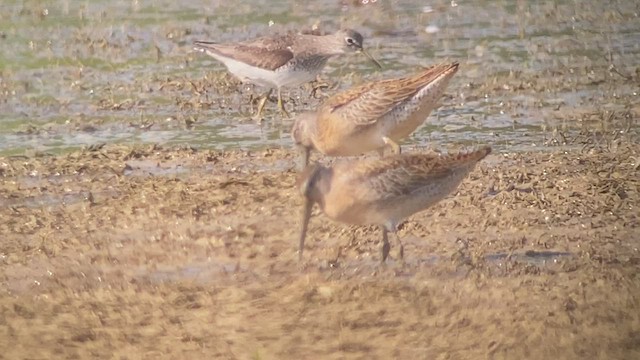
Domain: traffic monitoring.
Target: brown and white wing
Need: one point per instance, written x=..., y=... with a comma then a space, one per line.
x=264, y=57
x=403, y=175
x=366, y=104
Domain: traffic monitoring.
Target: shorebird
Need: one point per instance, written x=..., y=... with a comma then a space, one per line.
x=282, y=60
x=371, y=116
x=383, y=191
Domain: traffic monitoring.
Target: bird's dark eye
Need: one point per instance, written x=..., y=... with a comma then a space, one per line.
x=350, y=41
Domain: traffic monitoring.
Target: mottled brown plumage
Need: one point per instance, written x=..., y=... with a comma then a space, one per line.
x=282, y=60
x=383, y=191
x=371, y=116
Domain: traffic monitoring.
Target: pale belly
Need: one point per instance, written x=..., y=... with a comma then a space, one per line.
x=267, y=78
x=353, y=144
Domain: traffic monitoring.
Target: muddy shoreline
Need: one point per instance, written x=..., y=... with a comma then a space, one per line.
x=173, y=252
x=143, y=214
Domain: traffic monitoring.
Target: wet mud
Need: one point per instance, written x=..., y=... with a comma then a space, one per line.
x=151, y=252
x=144, y=215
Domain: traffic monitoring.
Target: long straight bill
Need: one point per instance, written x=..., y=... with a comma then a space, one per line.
x=306, y=215
x=371, y=58
x=303, y=159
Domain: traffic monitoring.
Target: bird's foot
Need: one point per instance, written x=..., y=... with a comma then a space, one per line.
x=392, y=144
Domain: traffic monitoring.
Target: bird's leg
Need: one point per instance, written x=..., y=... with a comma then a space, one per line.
x=381, y=152
x=394, y=145
x=281, y=105
x=261, y=103
x=385, y=244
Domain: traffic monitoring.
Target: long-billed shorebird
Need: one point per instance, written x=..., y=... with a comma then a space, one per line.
x=283, y=60
x=373, y=115
x=383, y=191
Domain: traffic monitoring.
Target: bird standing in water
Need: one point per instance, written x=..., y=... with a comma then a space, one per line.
x=282, y=60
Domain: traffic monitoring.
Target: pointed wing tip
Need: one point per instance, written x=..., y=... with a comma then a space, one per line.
x=466, y=157
x=450, y=67
x=203, y=45
x=479, y=153
x=485, y=151
x=476, y=155
x=430, y=73
x=443, y=65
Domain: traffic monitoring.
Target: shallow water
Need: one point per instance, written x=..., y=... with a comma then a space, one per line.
x=77, y=73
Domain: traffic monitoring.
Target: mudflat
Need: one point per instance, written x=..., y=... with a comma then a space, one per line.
x=151, y=252
x=144, y=215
